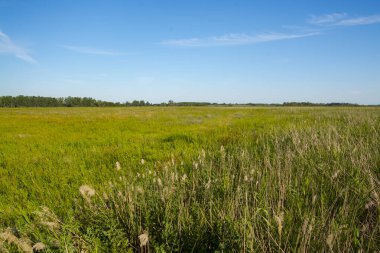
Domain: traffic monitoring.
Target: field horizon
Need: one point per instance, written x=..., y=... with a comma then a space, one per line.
x=72, y=101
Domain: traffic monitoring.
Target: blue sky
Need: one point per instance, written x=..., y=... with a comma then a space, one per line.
x=217, y=51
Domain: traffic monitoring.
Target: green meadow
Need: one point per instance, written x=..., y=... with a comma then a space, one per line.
x=190, y=179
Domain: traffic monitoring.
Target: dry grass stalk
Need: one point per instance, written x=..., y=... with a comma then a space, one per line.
x=8, y=236
x=2, y=249
x=330, y=241
x=39, y=246
x=118, y=166
x=87, y=192
x=279, y=219
x=48, y=219
x=144, y=239
x=51, y=225
x=23, y=244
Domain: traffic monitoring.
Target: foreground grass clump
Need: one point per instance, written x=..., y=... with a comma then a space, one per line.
x=288, y=181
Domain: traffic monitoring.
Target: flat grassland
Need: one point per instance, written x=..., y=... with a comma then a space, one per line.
x=190, y=179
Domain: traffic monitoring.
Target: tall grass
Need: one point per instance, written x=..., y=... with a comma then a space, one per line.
x=299, y=188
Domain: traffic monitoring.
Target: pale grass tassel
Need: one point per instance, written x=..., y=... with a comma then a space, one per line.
x=144, y=241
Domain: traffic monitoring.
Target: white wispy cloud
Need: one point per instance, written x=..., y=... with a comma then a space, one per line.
x=368, y=20
x=7, y=46
x=326, y=19
x=342, y=19
x=92, y=51
x=234, y=39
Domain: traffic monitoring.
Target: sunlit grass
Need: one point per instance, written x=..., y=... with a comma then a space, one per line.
x=212, y=179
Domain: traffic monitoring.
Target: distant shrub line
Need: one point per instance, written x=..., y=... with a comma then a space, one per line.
x=39, y=101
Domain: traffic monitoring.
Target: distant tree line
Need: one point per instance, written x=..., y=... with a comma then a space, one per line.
x=38, y=101
x=317, y=104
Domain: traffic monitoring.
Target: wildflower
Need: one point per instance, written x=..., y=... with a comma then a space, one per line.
x=142, y=161
x=118, y=167
x=184, y=177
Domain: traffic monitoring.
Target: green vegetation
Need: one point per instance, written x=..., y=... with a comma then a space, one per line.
x=38, y=101
x=190, y=179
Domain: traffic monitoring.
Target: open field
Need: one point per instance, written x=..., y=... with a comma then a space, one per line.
x=190, y=179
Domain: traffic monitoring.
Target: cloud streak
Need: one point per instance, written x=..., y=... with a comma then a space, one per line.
x=326, y=19
x=341, y=19
x=369, y=20
x=92, y=51
x=319, y=25
x=234, y=39
x=8, y=47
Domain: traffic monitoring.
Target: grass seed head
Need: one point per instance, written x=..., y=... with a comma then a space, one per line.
x=330, y=240
x=118, y=167
x=208, y=184
x=24, y=245
x=279, y=219
x=51, y=225
x=144, y=239
x=159, y=182
x=139, y=189
x=87, y=192
x=39, y=246
x=8, y=236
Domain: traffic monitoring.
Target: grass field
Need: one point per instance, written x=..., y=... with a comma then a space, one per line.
x=190, y=179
